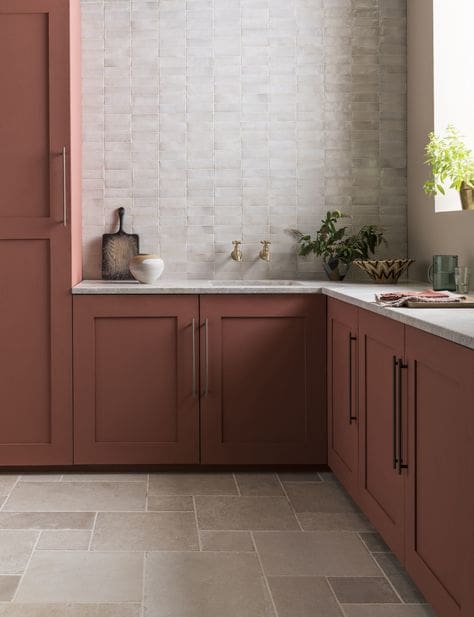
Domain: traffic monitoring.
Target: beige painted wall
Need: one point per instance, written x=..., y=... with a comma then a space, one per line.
x=429, y=233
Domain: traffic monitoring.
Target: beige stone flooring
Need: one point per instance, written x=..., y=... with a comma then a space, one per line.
x=193, y=545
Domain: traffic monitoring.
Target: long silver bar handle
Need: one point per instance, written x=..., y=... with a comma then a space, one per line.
x=194, y=358
x=64, y=188
x=206, y=356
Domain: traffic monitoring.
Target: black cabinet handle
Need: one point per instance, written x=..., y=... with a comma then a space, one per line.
x=351, y=416
x=401, y=464
x=394, y=411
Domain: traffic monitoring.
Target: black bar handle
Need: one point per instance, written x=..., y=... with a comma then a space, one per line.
x=394, y=411
x=351, y=416
x=401, y=464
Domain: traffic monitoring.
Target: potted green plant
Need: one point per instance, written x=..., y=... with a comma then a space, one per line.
x=338, y=249
x=452, y=166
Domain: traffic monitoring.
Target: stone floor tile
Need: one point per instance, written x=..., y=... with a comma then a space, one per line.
x=388, y=610
x=303, y=596
x=46, y=520
x=241, y=513
x=76, y=496
x=7, y=482
x=333, y=521
x=205, y=585
x=16, y=547
x=363, y=590
x=192, y=484
x=328, y=476
x=170, y=503
x=65, y=539
x=374, y=542
x=234, y=541
x=8, y=585
x=70, y=610
x=261, y=484
x=299, y=476
x=81, y=576
x=105, y=477
x=40, y=477
x=145, y=531
x=314, y=553
x=399, y=578
x=319, y=497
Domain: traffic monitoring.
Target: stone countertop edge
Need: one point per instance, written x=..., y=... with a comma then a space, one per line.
x=455, y=325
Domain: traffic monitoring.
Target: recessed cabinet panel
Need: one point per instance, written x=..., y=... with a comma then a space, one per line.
x=258, y=380
x=136, y=379
x=25, y=335
x=381, y=401
x=24, y=118
x=262, y=387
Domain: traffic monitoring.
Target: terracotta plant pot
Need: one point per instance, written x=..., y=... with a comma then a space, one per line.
x=467, y=197
x=146, y=268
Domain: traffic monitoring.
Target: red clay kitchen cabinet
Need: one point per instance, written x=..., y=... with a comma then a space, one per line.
x=439, y=439
x=262, y=379
x=40, y=236
x=382, y=409
x=136, y=379
x=342, y=360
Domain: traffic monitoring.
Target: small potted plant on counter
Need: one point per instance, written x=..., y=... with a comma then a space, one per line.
x=452, y=166
x=338, y=249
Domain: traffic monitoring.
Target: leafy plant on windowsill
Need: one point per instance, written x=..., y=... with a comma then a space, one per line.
x=452, y=165
x=337, y=249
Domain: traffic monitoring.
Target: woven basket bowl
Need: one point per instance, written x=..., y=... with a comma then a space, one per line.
x=384, y=270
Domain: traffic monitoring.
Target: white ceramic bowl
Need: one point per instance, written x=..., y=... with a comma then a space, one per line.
x=146, y=268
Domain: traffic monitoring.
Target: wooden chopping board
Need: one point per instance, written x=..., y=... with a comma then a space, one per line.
x=117, y=250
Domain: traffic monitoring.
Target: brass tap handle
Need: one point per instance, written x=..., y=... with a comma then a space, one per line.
x=265, y=252
x=237, y=251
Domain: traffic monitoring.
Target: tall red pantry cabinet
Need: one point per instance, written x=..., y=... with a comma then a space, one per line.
x=40, y=231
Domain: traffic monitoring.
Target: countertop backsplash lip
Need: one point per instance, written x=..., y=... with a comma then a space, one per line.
x=455, y=325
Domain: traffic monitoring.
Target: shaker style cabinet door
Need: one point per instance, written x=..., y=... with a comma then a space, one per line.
x=343, y=417
x=136, y=379
x=382, y=405
x=35, y=233
x=440, y=475
x=262, y=385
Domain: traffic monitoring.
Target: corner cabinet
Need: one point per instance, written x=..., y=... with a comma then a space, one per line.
x=220, y=379
x=415, y=423
x=40, y=235
x=262, y=366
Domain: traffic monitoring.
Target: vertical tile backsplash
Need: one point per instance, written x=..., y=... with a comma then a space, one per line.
x=220, y=120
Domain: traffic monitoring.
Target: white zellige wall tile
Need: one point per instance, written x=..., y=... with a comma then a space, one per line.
x=220, y=120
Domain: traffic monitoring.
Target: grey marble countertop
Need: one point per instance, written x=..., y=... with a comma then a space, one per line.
x=456, y=325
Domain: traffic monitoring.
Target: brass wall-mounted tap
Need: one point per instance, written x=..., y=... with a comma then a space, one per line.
x=265, y=252
x=236, y=251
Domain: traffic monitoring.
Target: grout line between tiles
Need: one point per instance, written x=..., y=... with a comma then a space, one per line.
x=197, y=524
x=343, y=612
x=92, y=531
x=265, y=579
x=142, y=607
x=380, y=568
x=290, y=502
x=26, y=566
x=239, y=492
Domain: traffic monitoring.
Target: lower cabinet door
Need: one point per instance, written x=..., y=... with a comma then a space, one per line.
x=262, y=384
x=343, y=419
x=136, y=379
x=440, y=475
x=382, y=400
